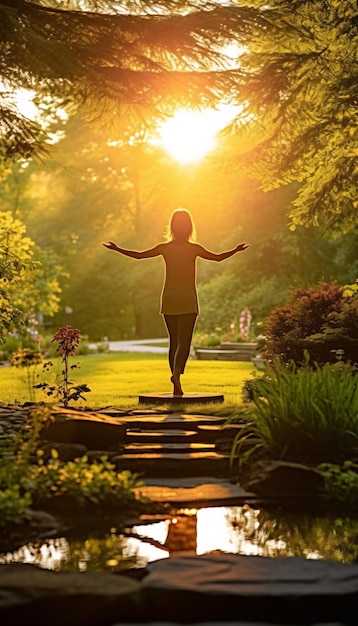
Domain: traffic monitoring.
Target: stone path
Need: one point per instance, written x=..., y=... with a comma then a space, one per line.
x=212, y=588
x=136, y=345
x=172, y=445
x=185, y=461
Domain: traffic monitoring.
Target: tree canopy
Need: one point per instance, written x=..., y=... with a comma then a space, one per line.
x=295, y=75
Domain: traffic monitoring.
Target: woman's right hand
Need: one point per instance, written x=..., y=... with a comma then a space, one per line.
x=110, y=245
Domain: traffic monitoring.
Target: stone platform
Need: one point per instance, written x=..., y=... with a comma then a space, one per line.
x=187, y=398
x=211, y=589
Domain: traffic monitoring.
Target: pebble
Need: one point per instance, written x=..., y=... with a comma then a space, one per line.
x=14, y=420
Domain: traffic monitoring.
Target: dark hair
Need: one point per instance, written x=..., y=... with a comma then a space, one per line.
x=181, y=226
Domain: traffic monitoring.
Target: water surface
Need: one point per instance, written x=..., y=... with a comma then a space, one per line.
x=234, y=529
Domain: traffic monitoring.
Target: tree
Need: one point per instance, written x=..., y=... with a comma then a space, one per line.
x=295, y=75
x=31, y=274
x=107, y=58
x=17, y=265
x=300, y=85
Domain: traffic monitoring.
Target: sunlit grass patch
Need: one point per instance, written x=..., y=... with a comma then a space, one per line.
x=117, y=379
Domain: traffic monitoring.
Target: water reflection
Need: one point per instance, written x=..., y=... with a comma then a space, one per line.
x=237, y=530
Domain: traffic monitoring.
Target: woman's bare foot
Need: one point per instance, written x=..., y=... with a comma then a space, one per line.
x=175, y=379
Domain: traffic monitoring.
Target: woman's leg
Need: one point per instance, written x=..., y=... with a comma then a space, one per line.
x=186, y=325
x=180, y=330
x=171, y=322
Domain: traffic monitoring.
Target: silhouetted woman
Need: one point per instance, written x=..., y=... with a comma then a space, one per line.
x=179, y=300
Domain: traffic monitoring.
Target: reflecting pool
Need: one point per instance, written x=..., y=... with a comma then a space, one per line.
x=233, y=529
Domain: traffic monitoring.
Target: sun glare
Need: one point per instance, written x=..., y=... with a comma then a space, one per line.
x=189, y=135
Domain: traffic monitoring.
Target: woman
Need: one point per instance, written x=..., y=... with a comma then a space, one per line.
x=179, y=300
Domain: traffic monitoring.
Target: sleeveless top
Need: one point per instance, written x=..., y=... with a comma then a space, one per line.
x=179, y=294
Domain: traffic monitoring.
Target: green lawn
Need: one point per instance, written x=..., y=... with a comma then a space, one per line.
x=117, y=379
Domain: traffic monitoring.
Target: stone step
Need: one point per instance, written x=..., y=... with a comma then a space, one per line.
x=213, y=432
x=160, y=436
x=175, y=464
x=168, y=421
x=182, y=448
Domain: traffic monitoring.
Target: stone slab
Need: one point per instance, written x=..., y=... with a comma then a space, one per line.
x=183, y=448
x=187, y=398
x=221, y=355
x=205, y=491
x=30, y=595
x=160, y=436
x=170, y=420
x=221, y=587
x=89, y=429
x=285, y=623
x=175, y=464
x=212, y=432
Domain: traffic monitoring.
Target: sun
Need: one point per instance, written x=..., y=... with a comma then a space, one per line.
x=190, y=135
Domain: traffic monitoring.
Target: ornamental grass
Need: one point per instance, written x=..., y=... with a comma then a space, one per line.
x=307, y=414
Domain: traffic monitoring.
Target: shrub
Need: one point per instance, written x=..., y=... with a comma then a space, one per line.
x=207, y=339
x=341, y=483
x=25, y=479
x=14, y=507
x=322, y=321
x=305, y=415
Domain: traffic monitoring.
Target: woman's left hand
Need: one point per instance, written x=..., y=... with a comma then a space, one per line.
x=242, y=246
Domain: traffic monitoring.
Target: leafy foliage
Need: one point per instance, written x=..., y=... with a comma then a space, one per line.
x=305, y=415
x=15, y=258
x=25, y=480
x=28, y=359
x=300, y=83
x=80, y=479
x=340, y=483
x=109, y=58
x=322, y=321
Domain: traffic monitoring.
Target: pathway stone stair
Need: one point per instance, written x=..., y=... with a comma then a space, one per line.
x=173, y=445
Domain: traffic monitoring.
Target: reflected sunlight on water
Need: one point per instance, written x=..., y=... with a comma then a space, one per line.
x=238, y=530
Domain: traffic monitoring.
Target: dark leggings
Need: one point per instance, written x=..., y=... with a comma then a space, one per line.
x=180, y=330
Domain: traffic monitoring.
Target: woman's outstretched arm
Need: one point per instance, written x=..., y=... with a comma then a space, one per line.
x=220, y=256
x=134, y=254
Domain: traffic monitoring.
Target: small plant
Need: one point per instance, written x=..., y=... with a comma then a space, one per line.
x=340, y=483
x=68, y=340
x=28, y=359
x=249, y=387
x=308, y=414
x=207, y=339
x=84, y=481
x=14, y=507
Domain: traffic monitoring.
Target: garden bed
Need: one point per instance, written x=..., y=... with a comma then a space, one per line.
x=227, y=351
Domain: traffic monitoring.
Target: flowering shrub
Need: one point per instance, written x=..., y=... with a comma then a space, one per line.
x=322, y=321
x=207, y=339
x=236, y=333
x=245, y=324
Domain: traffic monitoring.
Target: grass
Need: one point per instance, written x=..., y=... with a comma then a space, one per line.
x=117, y=379
x=307, y=414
